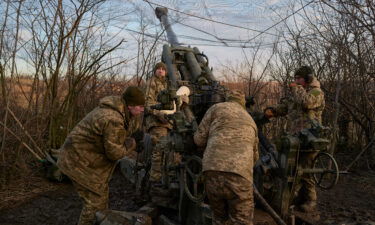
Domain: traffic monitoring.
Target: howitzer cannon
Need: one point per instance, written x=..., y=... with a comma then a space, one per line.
x=279, y=170
x=275, y=173
x=182, y=181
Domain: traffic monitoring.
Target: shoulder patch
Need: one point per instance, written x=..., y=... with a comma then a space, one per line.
x=315, y=92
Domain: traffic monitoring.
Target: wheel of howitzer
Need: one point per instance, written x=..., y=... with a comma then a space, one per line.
x=327, y=170
x=193, y=179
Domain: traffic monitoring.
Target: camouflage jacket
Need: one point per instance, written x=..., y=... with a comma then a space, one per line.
x=90, y=151
x=303, y=106
x=229, y=136
x=154, y=86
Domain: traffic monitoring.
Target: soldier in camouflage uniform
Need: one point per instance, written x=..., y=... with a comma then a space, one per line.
x=91, y=150
x=155, y=123
x=229, y=136
x=305, y=105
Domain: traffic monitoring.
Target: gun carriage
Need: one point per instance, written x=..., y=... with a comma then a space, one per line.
x=279, y=170
x=275, y=173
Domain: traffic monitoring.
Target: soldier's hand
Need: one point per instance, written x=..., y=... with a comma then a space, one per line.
x=184, y=99
x=268, y=113
x=130, y=144
x=293, y=84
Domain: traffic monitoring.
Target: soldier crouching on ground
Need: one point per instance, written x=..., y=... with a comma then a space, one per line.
x=155, y=123
x=229, y=136
x=305, y=105
x=92, y=148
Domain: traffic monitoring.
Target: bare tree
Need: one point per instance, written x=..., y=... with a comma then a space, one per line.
x=337, y=39
x=57, y=57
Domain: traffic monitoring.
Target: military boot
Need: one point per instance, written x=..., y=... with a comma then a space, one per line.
x=308, y=206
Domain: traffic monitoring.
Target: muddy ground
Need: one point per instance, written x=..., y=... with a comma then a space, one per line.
x=37, y=201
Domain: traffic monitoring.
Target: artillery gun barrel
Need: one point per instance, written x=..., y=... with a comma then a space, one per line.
x=204, y=61
x=162, y=15
x=196, y=62
x=172, y=70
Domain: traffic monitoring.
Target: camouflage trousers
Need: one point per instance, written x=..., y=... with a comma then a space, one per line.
x=305, y=189
x=230, y=197
x=92, y=203
x=156, y=157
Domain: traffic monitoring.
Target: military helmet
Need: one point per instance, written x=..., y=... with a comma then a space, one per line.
x=306, y=72
x=162, y=65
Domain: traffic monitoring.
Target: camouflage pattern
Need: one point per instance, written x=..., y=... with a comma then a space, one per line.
x=304, y=105
x=236, y=96
x=230, y=197
x=92, y=203
x=156, y=127
x=92, y=148
x=154, y=86
x=306, y=187
x=229, y=136
x=156, y=158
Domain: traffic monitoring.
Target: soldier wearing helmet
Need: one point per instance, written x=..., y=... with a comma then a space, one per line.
x=305, y=105
x=229, y=137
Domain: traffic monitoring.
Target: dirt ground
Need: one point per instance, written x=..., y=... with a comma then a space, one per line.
x=45, y=202
x=351, y=201
x=38, y=201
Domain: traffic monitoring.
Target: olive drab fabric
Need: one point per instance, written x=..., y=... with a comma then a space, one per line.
x=133, y=96
x=229, y=136
x=236, y=96
x=154, y=86
x=156, y=166
x=155, y=123
x=230, y=197
x=160, y=65
x=303, y=106
x=92, y=148
x=92, y=203
x=306, y=187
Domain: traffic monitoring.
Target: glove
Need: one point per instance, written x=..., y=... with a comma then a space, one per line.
x=130, y=144
x=293, y=84
x=268, y=113
x=184, y=99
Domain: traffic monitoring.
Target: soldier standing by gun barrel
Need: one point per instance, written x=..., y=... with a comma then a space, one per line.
x=91, y=150
x=305, y=105
x=156, y=123
x=229, y=136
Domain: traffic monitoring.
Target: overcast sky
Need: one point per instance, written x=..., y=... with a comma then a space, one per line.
x=224, y=30
x=238, y=24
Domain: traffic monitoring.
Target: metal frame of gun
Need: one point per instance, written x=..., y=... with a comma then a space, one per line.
x=277, y=171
